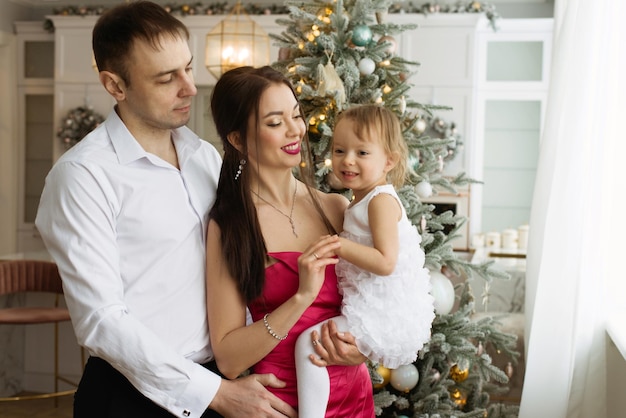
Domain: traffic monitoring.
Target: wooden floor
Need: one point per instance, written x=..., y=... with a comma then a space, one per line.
x=38, y=408
x=44, y=408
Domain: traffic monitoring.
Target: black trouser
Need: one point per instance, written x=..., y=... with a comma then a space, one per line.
x=104, y=392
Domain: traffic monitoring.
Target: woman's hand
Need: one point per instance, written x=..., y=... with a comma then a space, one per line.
x=312, y=265
x=335, y=348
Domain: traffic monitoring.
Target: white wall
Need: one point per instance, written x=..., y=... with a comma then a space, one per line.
x=13, y=10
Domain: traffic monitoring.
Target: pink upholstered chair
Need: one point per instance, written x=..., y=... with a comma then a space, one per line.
x=22, y=276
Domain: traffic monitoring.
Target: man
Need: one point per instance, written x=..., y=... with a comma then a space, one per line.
x=124, y=215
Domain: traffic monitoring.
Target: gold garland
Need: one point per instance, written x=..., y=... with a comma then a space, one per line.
x=222, y=8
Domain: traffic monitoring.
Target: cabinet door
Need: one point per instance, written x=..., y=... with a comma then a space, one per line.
x=73, y=52
x=35, y=55
x=512, y=133
x=36, y=106
x=444, y=47
x=513, y=79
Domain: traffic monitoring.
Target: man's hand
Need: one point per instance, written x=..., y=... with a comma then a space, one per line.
x=248, y=397
x=335, y=348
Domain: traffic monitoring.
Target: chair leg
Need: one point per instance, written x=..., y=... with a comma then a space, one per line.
x=56, y=375
x=56, y=363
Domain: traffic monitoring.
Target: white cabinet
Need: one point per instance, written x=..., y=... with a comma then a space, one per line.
x=35, y=87
x=73, y=46
x=494, y=81
x=512, y=88
x=72, y=50
x=76, y=82
x=445, y=47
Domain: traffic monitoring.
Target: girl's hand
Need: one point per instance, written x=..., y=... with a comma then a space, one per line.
x=312, y=265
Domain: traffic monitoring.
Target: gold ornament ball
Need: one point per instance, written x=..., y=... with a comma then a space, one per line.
x=458, y=397
x=457, y=374
x=313, y=127
x=421, y=126
x=385, y=373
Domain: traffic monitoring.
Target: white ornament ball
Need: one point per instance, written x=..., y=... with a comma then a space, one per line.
x=424, y=189
x=367, y=66
x=420, y=125
x=404, y=378
x=442, y=291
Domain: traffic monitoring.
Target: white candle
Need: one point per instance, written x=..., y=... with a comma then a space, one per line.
x=478, y=240
x=522, y=239
x=509, y=239
x=493, y=239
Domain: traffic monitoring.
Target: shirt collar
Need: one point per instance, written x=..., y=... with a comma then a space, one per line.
x=128, y=149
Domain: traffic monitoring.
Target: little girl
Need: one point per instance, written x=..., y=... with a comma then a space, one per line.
x=387, y=306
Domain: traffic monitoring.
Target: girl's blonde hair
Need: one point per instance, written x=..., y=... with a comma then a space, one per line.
x=377, y=123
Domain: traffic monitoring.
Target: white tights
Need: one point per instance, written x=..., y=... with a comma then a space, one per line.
x=313, y=381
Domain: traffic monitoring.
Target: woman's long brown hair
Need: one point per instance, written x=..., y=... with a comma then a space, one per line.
x=235, y=98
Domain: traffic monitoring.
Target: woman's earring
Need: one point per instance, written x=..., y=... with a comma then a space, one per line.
x=242, y=162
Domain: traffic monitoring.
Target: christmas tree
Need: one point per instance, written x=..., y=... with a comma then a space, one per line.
x=342, y=53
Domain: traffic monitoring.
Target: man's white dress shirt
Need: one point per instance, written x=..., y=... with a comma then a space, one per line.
x=127, y=230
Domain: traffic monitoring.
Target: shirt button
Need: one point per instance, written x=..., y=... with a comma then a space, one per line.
x=186, y=412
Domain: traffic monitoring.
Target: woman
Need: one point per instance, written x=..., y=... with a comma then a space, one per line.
x=271, y=243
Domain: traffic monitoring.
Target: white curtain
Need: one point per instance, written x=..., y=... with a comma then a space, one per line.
x=574, y=224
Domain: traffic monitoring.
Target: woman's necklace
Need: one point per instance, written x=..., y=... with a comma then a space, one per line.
x=290, y=216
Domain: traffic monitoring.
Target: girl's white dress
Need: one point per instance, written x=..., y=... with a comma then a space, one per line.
x=390, y=316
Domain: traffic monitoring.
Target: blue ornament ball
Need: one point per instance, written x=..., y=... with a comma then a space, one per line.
x=361, y=35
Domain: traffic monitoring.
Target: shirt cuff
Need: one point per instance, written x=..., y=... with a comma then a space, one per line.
x=200, y=392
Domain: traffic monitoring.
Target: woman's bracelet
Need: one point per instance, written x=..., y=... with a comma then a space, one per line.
x=271, y=331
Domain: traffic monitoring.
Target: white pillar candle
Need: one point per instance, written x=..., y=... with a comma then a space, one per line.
x=522, y=238
x=493, y=239
x=478, y=240
x=509, y=239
